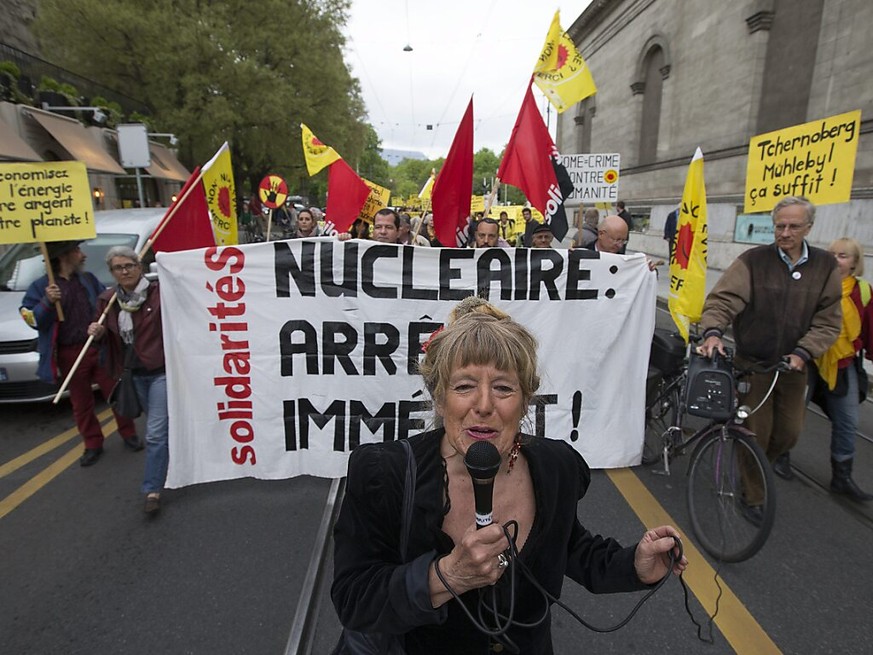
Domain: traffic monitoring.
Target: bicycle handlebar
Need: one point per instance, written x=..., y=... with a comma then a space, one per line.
x=782, y=366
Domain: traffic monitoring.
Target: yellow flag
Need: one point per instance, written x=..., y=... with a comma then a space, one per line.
x=560, y=72
x=424, y=194
x=688, y=263
x=221, y=197
x=316, y=153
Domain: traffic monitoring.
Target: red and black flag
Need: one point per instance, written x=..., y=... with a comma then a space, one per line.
x=531, y=163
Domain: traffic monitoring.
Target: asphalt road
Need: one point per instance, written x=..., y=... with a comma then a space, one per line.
x=221, y=568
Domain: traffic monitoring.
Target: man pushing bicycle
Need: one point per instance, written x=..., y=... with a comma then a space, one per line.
x=782, y=300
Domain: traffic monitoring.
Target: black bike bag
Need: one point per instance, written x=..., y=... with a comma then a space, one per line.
x=709, y=391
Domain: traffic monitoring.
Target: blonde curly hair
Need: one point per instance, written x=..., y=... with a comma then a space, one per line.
x=478, y=333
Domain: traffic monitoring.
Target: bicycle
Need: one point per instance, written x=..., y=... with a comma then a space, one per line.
x=726, y=462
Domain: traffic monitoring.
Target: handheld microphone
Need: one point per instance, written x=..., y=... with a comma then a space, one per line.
x=482, y=461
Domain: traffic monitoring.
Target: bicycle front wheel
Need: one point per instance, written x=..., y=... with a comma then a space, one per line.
x=730, y=492
x=661, y=415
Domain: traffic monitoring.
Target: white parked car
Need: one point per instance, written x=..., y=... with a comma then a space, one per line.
x=22, y=264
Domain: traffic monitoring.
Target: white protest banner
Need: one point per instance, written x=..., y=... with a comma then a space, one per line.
x=282, y=356
x=594, y=177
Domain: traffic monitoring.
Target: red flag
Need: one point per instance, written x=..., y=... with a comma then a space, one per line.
x=450, y=197
x=528, y=161
x=190, y=225
x=346, y=195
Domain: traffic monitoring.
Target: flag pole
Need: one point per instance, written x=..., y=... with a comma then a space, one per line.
x=142, y=253
x=51, y=276
x=489, y=201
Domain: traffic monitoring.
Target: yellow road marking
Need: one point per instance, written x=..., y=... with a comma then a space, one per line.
x=45, y=447
x=49, y=473
x=738, y=626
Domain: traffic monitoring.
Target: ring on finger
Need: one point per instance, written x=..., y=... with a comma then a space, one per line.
x=502, y=562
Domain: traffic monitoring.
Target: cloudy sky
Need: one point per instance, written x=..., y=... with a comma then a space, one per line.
x=483, y=48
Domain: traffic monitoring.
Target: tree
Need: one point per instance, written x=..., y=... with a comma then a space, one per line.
x=485, y=165
x=410, y=175
x=221, y=70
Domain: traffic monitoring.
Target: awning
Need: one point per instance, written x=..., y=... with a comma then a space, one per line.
x=13, y=147
x=74, y=138
x=165, y=165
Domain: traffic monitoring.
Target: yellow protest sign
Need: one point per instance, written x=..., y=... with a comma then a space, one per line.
x=477, y=204
x=815, y=160
x=378, y=199
x=45, y=202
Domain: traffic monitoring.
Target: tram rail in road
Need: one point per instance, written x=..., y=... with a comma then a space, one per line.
x=303, y=629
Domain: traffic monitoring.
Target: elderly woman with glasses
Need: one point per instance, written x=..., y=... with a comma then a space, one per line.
x=135, y=339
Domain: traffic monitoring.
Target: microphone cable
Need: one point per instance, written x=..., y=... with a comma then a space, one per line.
x=503, y=622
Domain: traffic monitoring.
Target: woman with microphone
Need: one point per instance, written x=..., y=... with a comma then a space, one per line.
x=481, y=371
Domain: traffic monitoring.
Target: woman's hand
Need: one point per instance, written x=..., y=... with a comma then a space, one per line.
x=96, y=330
x=473, y=563
x=652, y=559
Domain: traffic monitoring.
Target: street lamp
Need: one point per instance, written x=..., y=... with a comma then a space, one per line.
x=99, y=115
x=173, y=139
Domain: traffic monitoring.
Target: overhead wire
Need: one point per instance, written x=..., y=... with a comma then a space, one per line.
x=463, y=72
x=369, y=80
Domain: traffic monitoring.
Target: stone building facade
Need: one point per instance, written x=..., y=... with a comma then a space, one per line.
x=673, y=75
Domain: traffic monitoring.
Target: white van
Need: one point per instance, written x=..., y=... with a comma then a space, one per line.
x=23, y=263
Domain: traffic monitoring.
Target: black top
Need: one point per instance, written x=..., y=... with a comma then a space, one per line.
x=373, y=592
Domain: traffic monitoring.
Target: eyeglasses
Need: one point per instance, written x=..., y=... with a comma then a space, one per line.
x=789, y=227
x=613, y=239
x=118, y=268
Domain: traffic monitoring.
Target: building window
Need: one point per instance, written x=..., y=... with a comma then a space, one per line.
x=582, y=120
x=653, y=82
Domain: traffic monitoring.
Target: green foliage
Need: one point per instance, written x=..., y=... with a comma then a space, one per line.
x=111, y=108
x=410, y=176
x=50, y=84
x=11, y=68
x=47, y=83
x=221, y=70
x=136, y=117
x=9, y=91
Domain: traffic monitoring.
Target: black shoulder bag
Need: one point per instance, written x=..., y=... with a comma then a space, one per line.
x=123, y=398
x=352, y=642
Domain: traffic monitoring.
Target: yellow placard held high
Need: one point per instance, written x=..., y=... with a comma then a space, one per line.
x=815, y=160
x=378, y=199
x=45, y=202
